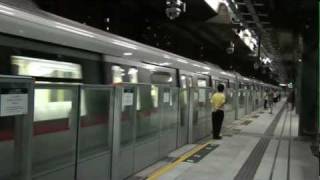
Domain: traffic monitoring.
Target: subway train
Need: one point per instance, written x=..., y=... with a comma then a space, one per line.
x=105, y=107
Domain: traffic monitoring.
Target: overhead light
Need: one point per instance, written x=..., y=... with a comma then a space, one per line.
x=125, y=44
x=6, y=8
x=182, y=61
x=128, y=54
x=164, y=64
x=6, y=12
x=166, y=56
x=74, y=30
x=206, y=67
x=205, y=72
x=196, y=65
x=300, y=60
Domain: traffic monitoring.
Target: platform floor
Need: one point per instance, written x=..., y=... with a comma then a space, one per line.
x=260, y=146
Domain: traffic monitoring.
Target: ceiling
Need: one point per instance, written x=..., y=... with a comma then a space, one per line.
x=283, y=26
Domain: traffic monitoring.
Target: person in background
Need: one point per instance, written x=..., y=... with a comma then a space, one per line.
x=218, y=100
x=270, y=100
x=265, y=97
x=291, y=99
x=275, y=96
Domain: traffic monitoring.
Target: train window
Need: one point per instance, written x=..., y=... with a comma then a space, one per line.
x=155, y=96
x=45, y=68
x=202, y=83
x=183, y=80
x=190, y=81
x=161, y=78
x=133, y=75
x=117, y=74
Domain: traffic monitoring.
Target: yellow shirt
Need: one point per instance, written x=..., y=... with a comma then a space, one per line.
x=217, y=101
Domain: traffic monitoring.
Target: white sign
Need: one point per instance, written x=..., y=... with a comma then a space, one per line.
x=202, y=95
x=166, y=97
x=13, y=104
x=127, y=99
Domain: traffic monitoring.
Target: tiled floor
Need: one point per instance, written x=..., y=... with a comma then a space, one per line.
x=225, y=162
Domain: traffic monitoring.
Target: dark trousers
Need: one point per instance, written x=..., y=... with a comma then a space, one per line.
x=217, y=119
x=265, y=104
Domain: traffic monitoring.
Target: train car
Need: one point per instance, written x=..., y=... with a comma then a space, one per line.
x=78, y=72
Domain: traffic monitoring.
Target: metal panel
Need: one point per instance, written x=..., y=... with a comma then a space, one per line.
x=16, y=132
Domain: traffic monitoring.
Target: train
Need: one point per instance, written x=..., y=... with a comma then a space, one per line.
x=105, y=107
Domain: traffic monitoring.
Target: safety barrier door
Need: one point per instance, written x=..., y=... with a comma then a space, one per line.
x=169, y=101
x=229, y=110
x=16, y=114
x=55, y=131
x=184, y=117
x=95, y=133
x=201, y=113
x=241, y=103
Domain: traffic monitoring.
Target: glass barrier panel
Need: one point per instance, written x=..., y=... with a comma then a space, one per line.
x=184, y=111
x=94, y=133
x=148, y=112
x=169, y=109
x=127, y=117
x=54, y=128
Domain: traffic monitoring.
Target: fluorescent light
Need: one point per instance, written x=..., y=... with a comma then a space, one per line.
x=300, y=60
x=6, y=7
x=207, y=68
x=125, y=44
x=166, y=56
x=6, y=12
x=196, y=65
x=128, y=54
x=205, y=72
x=164, y=64
x=182, y=61
x=74, y=30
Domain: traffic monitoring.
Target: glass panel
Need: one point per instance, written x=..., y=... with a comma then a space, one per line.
x=202, y=83
x=190, y=83
x=54, y=130
x=46, y=68
x=184, y=107
x=133, y=75
x=147, y=123
x=127, y=120
x=161, y=78
x=117, y=74
x=94, y=134
x=241, y=99
x=183, y=80
x=169, y=109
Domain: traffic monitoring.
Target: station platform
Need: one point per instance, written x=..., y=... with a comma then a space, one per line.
x=260, y=146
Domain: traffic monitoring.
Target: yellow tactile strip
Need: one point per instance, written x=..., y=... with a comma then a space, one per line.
x=161, y=171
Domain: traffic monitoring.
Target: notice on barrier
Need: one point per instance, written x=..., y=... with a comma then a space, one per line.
x=13, y=104
x=202, y=95
x=166, y=97
x=127, y=99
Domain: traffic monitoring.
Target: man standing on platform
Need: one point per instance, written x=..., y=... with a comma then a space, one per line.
x=218, y=100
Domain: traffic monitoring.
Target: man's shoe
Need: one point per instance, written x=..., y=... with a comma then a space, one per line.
x=219, y=137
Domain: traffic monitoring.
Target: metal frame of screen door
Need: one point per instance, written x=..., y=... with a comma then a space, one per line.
x=24, y=145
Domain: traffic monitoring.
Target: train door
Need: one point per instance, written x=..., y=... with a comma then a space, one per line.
x=183, y=130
